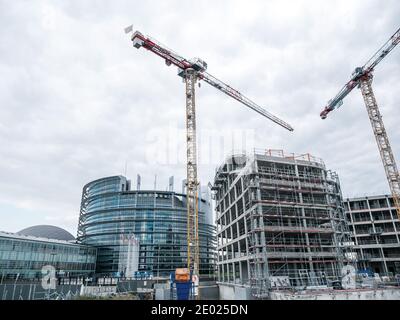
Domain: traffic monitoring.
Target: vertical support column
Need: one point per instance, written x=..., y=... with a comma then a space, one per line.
x=304, y=220
x=360, y=251
x=393, y=219
x=261, y=261
x=337, y=238
x=246, y=231
x=192, y=184
x=382, y=140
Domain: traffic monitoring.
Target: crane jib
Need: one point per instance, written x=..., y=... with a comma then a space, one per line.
x=211, y=80
x=171, y=57
x=361, y=73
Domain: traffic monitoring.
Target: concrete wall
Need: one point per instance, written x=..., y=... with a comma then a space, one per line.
x=378, y=294
x=233, y=292
x=162, y=294
x=162, y=291
x=209, y=291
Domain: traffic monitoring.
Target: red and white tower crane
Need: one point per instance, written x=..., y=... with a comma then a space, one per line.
x=192, y=71
x=362, y=78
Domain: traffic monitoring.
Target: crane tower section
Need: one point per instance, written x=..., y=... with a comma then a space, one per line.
x=382, y=140
x=191, y=167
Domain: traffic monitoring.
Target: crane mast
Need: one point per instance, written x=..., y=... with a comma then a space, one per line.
x=385, y=150
x=362, y=77
x=191, y=167
x=192, y=71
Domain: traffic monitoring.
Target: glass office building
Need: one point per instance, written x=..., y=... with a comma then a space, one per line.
x=111, y=211
x=23, y=256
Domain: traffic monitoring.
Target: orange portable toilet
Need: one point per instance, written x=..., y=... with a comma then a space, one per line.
x=182, y=275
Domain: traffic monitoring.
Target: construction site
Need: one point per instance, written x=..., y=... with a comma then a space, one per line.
x=282, y=228
x=272, y=225
x=280, y=223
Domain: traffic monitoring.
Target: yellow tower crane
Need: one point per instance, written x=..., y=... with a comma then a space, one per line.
x=192, y=71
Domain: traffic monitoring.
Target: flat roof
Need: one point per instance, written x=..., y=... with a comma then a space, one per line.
x=39, y=239
x=371, y=197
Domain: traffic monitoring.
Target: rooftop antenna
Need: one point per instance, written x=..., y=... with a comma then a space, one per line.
x=184, y=184
x=126, y=167
x=138, y=181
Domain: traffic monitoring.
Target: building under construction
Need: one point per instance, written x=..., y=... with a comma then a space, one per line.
x=375, y=229
x=280, y=224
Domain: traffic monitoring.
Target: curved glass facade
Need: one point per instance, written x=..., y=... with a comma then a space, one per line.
x=110, y=212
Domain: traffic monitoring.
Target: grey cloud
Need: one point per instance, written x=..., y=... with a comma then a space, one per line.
x=77, y=101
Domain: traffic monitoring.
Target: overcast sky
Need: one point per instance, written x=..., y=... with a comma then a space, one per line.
x=78, y=102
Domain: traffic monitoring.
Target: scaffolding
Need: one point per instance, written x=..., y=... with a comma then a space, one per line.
x=295, y=230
